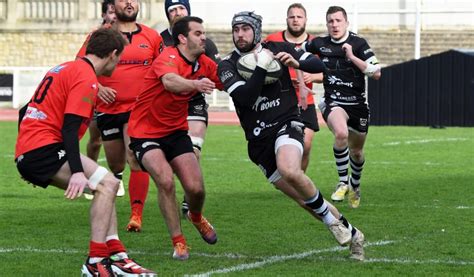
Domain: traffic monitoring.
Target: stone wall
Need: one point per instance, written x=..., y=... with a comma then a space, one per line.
x=47, y=48
x=38, y=48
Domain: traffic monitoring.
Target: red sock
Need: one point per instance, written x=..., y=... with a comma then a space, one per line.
x=138, y=190
x=115, y=246
x=98, y=250
x=178, y=238
x=195, y=217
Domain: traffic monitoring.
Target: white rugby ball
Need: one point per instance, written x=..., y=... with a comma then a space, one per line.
x=247, y=63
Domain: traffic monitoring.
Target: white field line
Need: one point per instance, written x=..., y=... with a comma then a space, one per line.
x=422, y=141
x=276, y=259
x=402, y=261
x=420, y=206
x=132, y=252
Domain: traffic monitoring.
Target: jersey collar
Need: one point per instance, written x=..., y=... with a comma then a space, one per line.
x=341, y=40
x=88, y=62
x=195, y=65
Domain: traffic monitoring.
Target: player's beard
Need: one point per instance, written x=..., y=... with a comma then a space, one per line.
x=246, y=48
x=123, y=17
x=296, y=33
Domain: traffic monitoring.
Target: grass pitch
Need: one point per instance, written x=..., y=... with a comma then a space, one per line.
x=416, y=211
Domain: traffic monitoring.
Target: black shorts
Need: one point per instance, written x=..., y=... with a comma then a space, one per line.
x=40, y=165
x=262, y=152
x=172, y=145
x=359, y=115
x=197, y=109
x=111, y=125
x=310, y=117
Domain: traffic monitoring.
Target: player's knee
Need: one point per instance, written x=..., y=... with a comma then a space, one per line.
x=196, y=190
x=291, y=175
x=103, y=181
x=166, y=185
x=341, y=135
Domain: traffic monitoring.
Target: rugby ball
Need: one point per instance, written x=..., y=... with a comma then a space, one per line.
x=247, y=63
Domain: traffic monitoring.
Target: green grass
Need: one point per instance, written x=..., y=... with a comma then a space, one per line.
x=417, y=213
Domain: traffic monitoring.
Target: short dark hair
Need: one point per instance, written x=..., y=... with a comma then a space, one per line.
x=104, y=41
x=335, y=9
x=105, y=5
x=296, y=5
x=181, y=27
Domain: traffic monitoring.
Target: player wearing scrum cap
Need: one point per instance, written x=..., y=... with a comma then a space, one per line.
x=270, y=117
x=349, y=59
x=47, y=148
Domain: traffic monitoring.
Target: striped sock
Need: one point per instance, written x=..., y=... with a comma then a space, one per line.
x=320, y=207
x=356, y=172
x=342, y=163
x=347, y=224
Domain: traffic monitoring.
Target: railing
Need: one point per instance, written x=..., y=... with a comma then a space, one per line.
x=418, y=12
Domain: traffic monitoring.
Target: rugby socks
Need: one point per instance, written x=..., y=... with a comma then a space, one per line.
x=97, y=252
x=342, y=163
x=356, y=172
x=320, y=207
x=116, y=247
x=138, y=190
x=178, y=239
x=195, y=217
x=348, y=225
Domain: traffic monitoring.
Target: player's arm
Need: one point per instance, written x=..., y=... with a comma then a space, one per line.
x=299, y=59
x=179, y=85
x=244, y=93
x=69, y=131
x=369, y=67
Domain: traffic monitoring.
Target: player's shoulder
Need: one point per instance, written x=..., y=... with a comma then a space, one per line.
x=148, y=31
x=230, y=59
x=356, y=39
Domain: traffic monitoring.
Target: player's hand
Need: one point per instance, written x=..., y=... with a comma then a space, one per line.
x=77, y=183
x=106, y=94
x=264, y=58
x=204, y=85
x=287, y=59
x=348, y=50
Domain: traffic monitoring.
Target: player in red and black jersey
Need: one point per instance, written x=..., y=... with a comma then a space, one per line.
x=197, y=111
x=159, y=128
x=296, y=34
x=269, y=115
x=349, y=60
x=117, y=95
x=47, y=149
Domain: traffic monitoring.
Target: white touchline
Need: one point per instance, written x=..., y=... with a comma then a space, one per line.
x=419, y=141
x=276, y=259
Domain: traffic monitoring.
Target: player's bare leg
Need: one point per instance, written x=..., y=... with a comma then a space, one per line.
x=161, y=172
x=197, y=132
x=308, y=143
x=187, y=168
x=337, y=123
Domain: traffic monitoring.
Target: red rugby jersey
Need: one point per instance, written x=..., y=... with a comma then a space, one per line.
x=158, y=112
x=280, y=37
x=69, y=88
x=144, y=46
